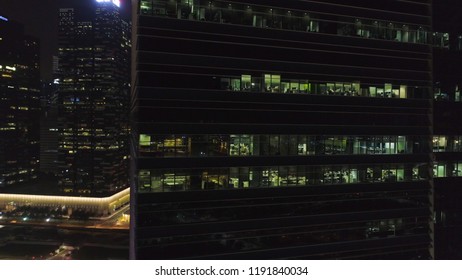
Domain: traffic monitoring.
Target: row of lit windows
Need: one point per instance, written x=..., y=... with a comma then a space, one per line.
x=86, y=146
x=272, y=145
x=7, y=68
x=442, y=40
x=277, y=176
x=452, y=95
x=267, y=17
x=275, y=84
x=447, y=143
x=447, y=169
x=75, y=49
x=18, y=172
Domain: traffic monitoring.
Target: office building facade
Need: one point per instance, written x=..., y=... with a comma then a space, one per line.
x=447, y=166
x=281, y=129
x=19, y=104
x=93, y=99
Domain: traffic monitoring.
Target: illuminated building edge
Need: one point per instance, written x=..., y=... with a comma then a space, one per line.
x=100, y=205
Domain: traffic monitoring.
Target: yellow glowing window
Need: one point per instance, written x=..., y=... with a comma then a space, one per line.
x=145, y=140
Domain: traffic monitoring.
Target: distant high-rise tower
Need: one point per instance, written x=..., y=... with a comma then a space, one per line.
x=55, y=65
x=19, y=104
x=92, y=99
x=49, y=127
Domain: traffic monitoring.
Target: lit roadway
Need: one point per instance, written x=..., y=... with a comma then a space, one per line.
x=63, y=253
x=109, y=232
x=115, y=221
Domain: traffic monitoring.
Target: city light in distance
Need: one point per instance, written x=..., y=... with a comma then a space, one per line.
x=115, y=2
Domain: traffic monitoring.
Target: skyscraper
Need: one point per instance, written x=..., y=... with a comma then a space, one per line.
x=281, y=129
x=19, y=104
x=49, y=129
x=447, y=138
x=93, y=99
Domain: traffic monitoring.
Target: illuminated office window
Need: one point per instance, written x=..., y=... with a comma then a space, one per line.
x=439, y=143
x=272, y=83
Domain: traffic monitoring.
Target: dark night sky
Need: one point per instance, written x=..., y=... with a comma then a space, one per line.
x=40, y=18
